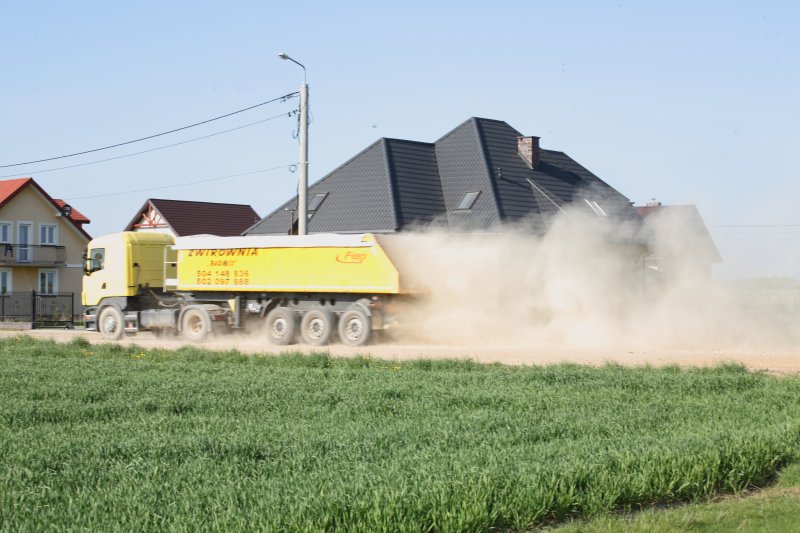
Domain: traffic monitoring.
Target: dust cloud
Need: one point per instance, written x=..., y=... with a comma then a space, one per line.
x=587, y=283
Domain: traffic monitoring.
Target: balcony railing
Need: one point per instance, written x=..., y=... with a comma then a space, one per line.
x=32, y=254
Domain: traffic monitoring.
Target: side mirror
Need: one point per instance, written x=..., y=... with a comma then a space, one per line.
x=86, y=270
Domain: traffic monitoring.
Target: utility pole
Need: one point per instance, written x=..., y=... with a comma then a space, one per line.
x=302, y=193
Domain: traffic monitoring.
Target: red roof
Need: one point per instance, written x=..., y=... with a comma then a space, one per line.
x=10, y=188
x=76, y=215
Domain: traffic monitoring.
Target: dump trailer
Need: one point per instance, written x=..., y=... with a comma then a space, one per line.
x=312, y=286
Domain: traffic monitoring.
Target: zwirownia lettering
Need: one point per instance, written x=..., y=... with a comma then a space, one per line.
x=233, y=252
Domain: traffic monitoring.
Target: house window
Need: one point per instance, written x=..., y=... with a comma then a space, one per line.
x=48, y=281
x=316, y=201
x=48, y=234
x=5, y=281
x=468, y=201
x=24, y=238
x=5, y=232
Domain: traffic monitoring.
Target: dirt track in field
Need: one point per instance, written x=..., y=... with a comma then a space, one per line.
x=781, y=361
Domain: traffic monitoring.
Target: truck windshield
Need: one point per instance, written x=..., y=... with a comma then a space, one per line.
x=96, y=259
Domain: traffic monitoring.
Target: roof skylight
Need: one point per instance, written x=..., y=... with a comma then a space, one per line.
x=595, y=207
x=468, y=201
x=315, y=202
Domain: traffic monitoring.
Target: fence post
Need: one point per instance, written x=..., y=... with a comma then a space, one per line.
x=33, y=309
x=72, y=310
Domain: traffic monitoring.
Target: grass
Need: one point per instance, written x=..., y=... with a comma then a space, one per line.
x=770, y=510
x=115, y=437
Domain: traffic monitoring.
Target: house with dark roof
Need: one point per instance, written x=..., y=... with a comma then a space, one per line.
x=481, y=175
x=679, y=242
x=181, y=218
x=42, y=241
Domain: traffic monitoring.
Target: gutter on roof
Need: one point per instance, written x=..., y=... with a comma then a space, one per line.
x=392, y=186
x=489, y=172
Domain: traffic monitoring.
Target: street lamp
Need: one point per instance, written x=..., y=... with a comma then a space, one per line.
x=302, y=193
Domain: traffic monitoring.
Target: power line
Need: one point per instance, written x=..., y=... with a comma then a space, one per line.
x=32, y=172
x=757, y=226
x=281, y=98
x=757, y=231
x=219, y=178
x=763, y=230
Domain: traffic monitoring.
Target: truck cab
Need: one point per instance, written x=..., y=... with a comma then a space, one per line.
x=120, y=266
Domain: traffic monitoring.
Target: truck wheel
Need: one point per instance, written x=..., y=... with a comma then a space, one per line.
x=111, y=323
x=317, y=327
x=355, y=327
x=195, y=324
x=281, y=326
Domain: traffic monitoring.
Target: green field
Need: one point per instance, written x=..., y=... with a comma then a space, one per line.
x=775, y=509
x=114, y=437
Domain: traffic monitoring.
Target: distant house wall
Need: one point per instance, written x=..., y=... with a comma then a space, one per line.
x=682, y=247
x=29, y=206
x=164, y=229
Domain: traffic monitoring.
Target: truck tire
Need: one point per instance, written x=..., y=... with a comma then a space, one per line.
x=281, y=326
x=111, y=323
x=195, y=324
x=317, y=327
x=355, y=327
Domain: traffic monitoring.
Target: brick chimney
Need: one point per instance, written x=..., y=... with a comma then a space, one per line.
x=528, y=149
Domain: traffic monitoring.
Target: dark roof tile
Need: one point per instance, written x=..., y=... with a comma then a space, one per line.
x=197, y=218
x=397, y=184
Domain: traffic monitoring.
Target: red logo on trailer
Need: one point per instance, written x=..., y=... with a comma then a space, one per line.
x=351, y=258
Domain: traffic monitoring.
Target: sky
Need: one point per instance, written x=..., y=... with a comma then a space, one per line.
x=682, y=102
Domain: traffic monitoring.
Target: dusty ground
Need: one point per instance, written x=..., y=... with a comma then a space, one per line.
x=774, y=360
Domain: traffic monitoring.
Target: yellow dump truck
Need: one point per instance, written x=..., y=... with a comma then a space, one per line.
x=315, y=285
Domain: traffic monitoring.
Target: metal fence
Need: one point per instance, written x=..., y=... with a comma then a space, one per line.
x=39, y=309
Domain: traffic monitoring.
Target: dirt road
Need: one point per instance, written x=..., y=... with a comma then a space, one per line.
x=774, y=360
